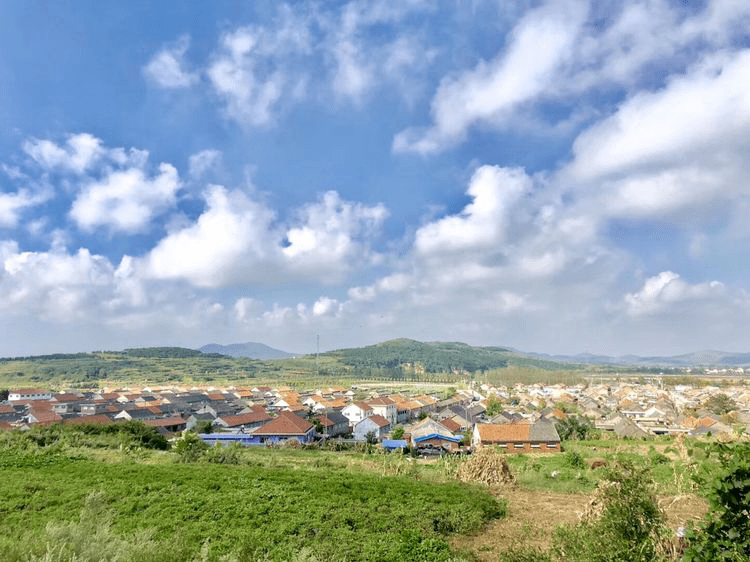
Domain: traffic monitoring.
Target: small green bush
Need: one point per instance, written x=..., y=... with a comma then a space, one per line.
x=725, y=533
x=629, y=524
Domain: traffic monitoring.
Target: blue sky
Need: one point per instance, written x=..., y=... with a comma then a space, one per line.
x=560, y=176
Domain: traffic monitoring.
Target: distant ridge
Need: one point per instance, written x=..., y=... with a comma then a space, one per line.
x=252, y=350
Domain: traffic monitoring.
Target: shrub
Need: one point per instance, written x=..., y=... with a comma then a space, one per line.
x=189, y=447
x=725, y=533
x=623, y=522
x=574, y=459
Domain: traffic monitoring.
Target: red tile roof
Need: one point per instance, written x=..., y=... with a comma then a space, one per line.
x=285, y=424
x=503, y=433
x=380, y=421
x=256, y=416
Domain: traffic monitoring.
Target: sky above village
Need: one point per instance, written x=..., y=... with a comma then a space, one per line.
x=561, y=177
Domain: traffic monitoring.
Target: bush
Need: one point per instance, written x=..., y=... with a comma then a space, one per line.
x=623, y=522
x=725, y=533
x=574, y=459
x=189, y=447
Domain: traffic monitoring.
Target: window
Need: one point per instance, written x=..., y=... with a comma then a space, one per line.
x=519, y=445
x=552, y=445
x=535, y=445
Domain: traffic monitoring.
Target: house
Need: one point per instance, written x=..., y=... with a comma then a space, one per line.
x=284, y=427
x=375, y=424
x=384, y=407
x=356, y=412
x=437, y=441
x=169, y=425
x=257, y=417
x=518, y=437
x=334, y=423
x=429, y=426
x=29, y=394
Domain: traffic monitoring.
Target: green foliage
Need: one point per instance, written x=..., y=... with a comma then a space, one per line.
x=189, y=447
x=398, y=432
x=163, y=352
x=574, y=427
x=371, y=438
x=231, y=454
x=245, y=512
x=574, y=459
x=433, y=357
x=630, y=525
x=494, y=406
x=725, y=533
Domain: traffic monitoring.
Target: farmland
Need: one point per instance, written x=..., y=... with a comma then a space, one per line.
x=67, y=493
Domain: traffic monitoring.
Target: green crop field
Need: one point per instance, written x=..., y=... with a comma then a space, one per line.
x=58, y=503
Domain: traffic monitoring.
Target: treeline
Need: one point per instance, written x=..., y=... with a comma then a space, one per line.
x=432, y=357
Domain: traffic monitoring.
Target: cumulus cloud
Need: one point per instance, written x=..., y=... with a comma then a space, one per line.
x=79, y=153
x=125, y=200
x=229, y=243
x=237, y=240
x=166, y=69
x=569, y=49
x=331, y=233
x=483, y=222
x=666, y=289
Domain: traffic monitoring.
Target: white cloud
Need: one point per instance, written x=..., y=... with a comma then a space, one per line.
x=231, y=242
x=683, y=145
x=166, y=69
x=483, y=222
x=540, y=43
x=331, y=234
x=80, y=153
x=125, y=200
x=666, y=289
x=12, y=205
x=202, y=162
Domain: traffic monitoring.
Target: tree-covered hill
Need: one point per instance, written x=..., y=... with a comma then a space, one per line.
x=433, y=357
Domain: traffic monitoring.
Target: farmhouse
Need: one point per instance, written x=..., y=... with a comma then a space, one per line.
x=29, y=394
x=518, y=437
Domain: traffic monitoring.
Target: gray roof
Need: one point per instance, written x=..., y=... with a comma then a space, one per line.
x=543, y=431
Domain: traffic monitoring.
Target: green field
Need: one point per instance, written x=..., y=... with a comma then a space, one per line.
x=79, y=495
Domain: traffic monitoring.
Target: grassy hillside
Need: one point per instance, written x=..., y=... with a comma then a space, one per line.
x=397, y=360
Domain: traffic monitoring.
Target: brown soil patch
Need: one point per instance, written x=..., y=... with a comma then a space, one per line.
x=534, y=514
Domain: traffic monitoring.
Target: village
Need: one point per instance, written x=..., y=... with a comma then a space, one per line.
x=518, y=419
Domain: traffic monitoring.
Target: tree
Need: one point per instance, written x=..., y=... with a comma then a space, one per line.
x=371, y=438
x=4, y=394
x=494, y=406
x=573, y=427
x=720, y=404
x=204, y=427
x=397, y=433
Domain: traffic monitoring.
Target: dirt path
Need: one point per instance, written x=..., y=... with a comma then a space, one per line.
x=533, y=516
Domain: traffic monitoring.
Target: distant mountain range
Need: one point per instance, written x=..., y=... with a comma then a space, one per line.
x=404, y=350
x=698, y=358
x=250, y=349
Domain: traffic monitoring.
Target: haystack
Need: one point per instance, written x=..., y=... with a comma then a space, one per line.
x=486, y=466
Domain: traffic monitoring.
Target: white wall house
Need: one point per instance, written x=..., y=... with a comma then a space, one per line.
x=29, y=394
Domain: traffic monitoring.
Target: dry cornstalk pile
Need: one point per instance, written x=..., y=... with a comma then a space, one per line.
x=486, y=466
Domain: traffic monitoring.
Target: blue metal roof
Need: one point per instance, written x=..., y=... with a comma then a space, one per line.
x=438, y=436
x=394, y=444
